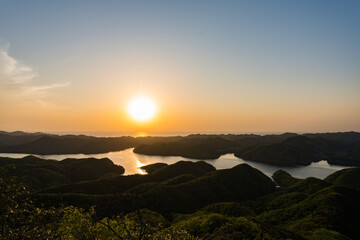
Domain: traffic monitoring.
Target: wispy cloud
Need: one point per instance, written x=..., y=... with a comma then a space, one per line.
x=13, y=71
x=21, y=82
x=34, y=89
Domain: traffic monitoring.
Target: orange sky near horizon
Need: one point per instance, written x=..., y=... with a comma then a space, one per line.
x=170, y=118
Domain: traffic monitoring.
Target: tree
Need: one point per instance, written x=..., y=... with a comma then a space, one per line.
x=19, y=217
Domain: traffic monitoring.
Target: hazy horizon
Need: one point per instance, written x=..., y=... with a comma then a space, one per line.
x=161, y=134
x=208, y=66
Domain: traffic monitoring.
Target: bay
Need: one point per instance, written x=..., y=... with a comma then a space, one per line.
x=132, y=163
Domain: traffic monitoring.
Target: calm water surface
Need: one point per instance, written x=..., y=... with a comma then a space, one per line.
x=132, y=163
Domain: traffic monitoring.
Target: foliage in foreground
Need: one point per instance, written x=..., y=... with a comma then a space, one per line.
x=301, y=209
x=19, y=217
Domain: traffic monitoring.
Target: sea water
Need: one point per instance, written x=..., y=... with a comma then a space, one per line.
x=132, y=163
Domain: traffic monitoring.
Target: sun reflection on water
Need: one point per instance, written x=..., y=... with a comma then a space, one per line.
x=139, y=165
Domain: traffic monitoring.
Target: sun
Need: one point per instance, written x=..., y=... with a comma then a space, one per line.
x=142, y=109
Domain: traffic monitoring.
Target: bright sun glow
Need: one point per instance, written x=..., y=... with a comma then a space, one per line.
x=142, y=109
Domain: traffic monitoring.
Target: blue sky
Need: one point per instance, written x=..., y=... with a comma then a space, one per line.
x=247, y=65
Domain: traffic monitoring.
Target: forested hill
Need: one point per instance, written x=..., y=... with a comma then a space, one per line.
x=90, y=198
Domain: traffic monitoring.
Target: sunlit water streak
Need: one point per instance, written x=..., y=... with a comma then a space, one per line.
x=132, y=163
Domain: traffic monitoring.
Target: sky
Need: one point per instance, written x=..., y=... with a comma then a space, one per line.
x=209, y=66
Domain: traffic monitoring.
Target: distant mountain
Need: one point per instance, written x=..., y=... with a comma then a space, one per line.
x=336, y=148
x=15, y=138
x=288, y=149
x=196, y=147
x=68, y=144
x=349, y=158
x=279, y=154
